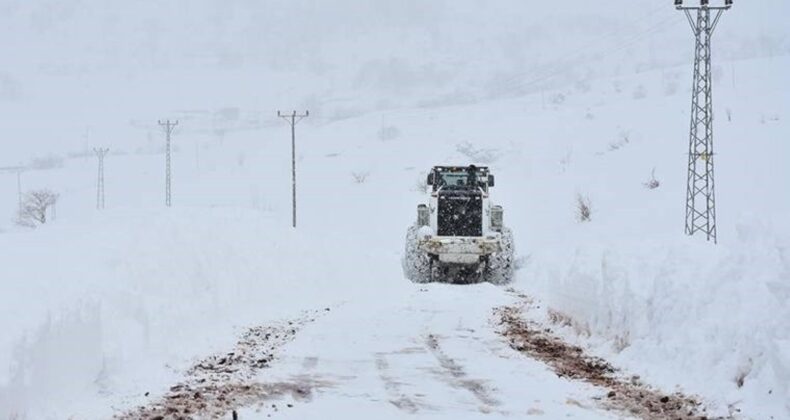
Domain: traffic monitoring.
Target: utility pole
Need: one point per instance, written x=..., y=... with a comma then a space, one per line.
x=86, y=138
x=19, y=188
x=100, y=153
x=292, y=120
x=168, y=127
x=18, y=170
x=700, y=192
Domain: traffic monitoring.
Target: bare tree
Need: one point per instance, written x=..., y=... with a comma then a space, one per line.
x=34, y=207
x=360, y=177
x=422, y=183
x=652, y=183
x=389, y=132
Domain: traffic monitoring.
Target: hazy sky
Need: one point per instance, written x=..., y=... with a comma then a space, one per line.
x=68, y=65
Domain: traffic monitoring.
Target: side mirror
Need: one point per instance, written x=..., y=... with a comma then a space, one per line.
x=429, y=181
x=490, y=180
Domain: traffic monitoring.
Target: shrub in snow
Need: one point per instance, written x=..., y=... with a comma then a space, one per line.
x=485, y=156
x=640, y=92
x=388, y=133
x=624, y=138
x=227, y=114
x=652, y=183
x=219, y=134
x=717, y=73
x=360, y=177
x=565, y=161
x=35, y=206
x=670, y=88
x=671, y=81
x=770, y=118
x=583, y=208
x=10, y=88
x=422, y=183
x=583, y=85
x=560, y=318
x=558, y=99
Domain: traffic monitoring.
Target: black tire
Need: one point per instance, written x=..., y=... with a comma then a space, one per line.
x=500, y=266
x=416, y=263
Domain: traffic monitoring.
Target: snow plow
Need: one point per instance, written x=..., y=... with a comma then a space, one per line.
x=459, y=236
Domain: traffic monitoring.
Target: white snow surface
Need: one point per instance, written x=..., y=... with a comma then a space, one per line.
x=98, y=308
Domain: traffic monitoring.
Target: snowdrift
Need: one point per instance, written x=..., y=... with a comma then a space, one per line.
x=106, y=310
x=713, y=319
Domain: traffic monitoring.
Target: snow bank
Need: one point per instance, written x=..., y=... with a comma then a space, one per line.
x=124, y=301
x=714, y=319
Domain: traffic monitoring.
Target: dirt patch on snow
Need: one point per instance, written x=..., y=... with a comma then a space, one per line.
x=220, y=384
x=630, y=396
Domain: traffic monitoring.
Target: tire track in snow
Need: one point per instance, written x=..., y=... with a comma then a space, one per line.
x=455, y=375
x=397, y=398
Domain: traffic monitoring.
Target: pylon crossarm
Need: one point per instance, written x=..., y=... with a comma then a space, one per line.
x=716, y=21
x=686, y=9
x=691, y=21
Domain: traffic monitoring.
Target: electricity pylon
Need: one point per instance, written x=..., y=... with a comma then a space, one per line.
x=168, y=126
x=100, y=154
x=700, y=191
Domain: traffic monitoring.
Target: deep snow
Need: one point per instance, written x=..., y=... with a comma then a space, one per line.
x=98, y=308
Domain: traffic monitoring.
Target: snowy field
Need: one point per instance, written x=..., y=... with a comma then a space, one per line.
x=101, y=311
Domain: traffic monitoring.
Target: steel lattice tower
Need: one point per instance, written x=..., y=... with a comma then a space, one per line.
x=100, y=153
x=700, y=188
x=168, y=126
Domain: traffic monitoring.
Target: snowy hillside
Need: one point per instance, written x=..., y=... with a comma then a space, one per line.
x=104, y=311
x=98, y=72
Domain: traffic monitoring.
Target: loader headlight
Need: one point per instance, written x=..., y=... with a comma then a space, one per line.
x=497, y=218
x=423, y=215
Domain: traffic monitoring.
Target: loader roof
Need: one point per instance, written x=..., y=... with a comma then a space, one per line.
x=454, y=177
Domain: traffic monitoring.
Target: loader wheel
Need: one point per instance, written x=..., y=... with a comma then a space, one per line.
x=416, y=263
x=500, y=266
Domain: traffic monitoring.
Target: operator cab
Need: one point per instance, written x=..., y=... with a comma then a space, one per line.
x=460, y=178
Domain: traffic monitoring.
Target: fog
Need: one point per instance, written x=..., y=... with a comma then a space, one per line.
x=79, y=73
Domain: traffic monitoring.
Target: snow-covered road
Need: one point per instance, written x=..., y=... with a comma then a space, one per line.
x=432, y=351
x=106, y=311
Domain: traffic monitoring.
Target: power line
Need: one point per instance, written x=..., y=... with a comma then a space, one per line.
x=168, y=127
x=700, y=191
x=292, y=120
x=100, y=154
x=564, y=63
x=580, y=51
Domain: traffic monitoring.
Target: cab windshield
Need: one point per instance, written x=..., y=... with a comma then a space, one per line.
x=453, y=179
x=459, y=179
